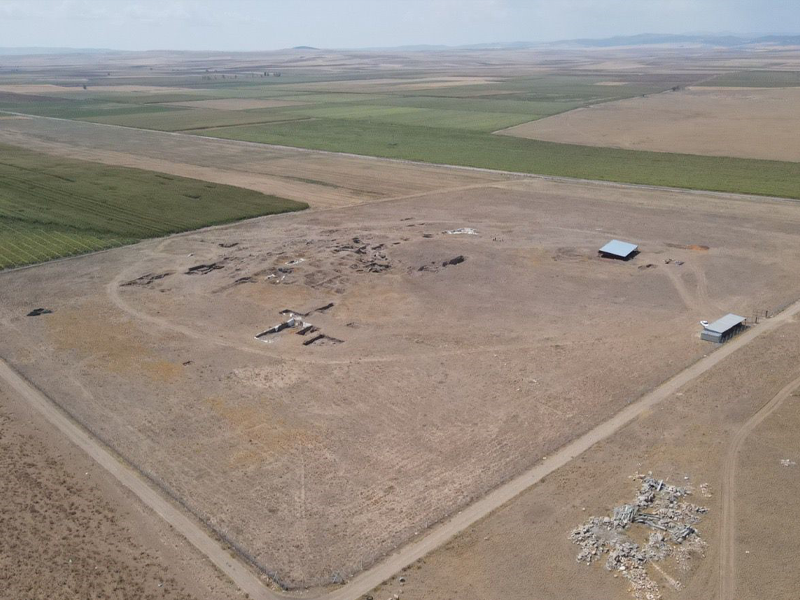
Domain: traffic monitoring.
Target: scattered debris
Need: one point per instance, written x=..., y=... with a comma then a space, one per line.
x=427, y=235
x=241, y=280
x=147, y=279
x=461, y=231
x=647, y=266
x=308, y=329
x=660, y=507
x=39, y=311
x=228, y=244
x=204, y=269
x=788, y=463
x=296, y=261
x=187, y=363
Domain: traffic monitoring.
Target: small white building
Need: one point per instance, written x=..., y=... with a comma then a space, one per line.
x=723, y=329
x=619, y=250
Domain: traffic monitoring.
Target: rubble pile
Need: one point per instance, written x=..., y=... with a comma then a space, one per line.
x=660, y=507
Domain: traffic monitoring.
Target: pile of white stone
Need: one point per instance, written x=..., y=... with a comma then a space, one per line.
x=660, y=507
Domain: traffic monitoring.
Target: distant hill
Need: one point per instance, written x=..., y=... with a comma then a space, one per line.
x=649, y=39
x=304, y=48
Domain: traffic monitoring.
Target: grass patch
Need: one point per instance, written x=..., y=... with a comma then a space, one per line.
x=459, y=147
x=53, y=207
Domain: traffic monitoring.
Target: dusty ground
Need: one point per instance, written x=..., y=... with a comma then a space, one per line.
x=323, y=181
x=69, y=532
x=319, y=459
x=742, y=122
x=523, y=550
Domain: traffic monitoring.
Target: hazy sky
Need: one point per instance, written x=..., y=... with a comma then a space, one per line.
x=272, y=24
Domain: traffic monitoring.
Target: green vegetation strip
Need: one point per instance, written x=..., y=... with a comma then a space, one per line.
x=54, y=207
x=476, y=149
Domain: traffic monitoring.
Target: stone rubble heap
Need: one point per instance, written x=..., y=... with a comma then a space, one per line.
x=660, y=507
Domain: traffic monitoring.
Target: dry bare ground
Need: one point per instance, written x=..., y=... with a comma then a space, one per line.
x=318, y=459
x=70, y=532
x=742, y=122
x=523, y=550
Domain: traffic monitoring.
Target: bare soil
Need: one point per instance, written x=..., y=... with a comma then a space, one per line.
x=740, y=122
x=69, y=532
x=318, y=459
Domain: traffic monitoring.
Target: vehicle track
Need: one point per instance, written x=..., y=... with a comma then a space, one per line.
x=406, y=555
x=727, y=548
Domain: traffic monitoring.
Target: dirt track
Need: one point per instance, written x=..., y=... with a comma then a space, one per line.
x=727, y=539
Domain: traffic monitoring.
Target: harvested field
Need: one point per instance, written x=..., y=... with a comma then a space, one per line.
x=428, y=388
x=757, y=123
x=67, y=532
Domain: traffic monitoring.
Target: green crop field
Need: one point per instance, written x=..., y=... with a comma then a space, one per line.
x=394, y=115
x=458, y=147
x=54, y=207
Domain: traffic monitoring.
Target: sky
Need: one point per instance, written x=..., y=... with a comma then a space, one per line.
x=273, y=24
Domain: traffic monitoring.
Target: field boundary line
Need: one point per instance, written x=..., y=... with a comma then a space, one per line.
x=402, y=161
x=234, y=565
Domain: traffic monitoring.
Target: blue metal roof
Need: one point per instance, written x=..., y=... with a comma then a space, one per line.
x=724, y=324
x=618, y=248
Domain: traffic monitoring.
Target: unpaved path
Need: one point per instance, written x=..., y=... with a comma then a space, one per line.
x=727, y=549
x=418, y=548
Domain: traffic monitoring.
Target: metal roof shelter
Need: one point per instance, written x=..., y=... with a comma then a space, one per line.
x=721, y=329
x=618, y=249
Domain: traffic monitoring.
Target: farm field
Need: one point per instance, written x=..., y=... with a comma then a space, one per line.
x=55, y=207
x=318, y=459
x=321, y=180
x=746, y=122
x=316, y=395
x=430, y=112
x=414, y=106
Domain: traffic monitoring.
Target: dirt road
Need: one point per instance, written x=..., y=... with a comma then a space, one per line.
x=727, y=550
x=415, y=550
